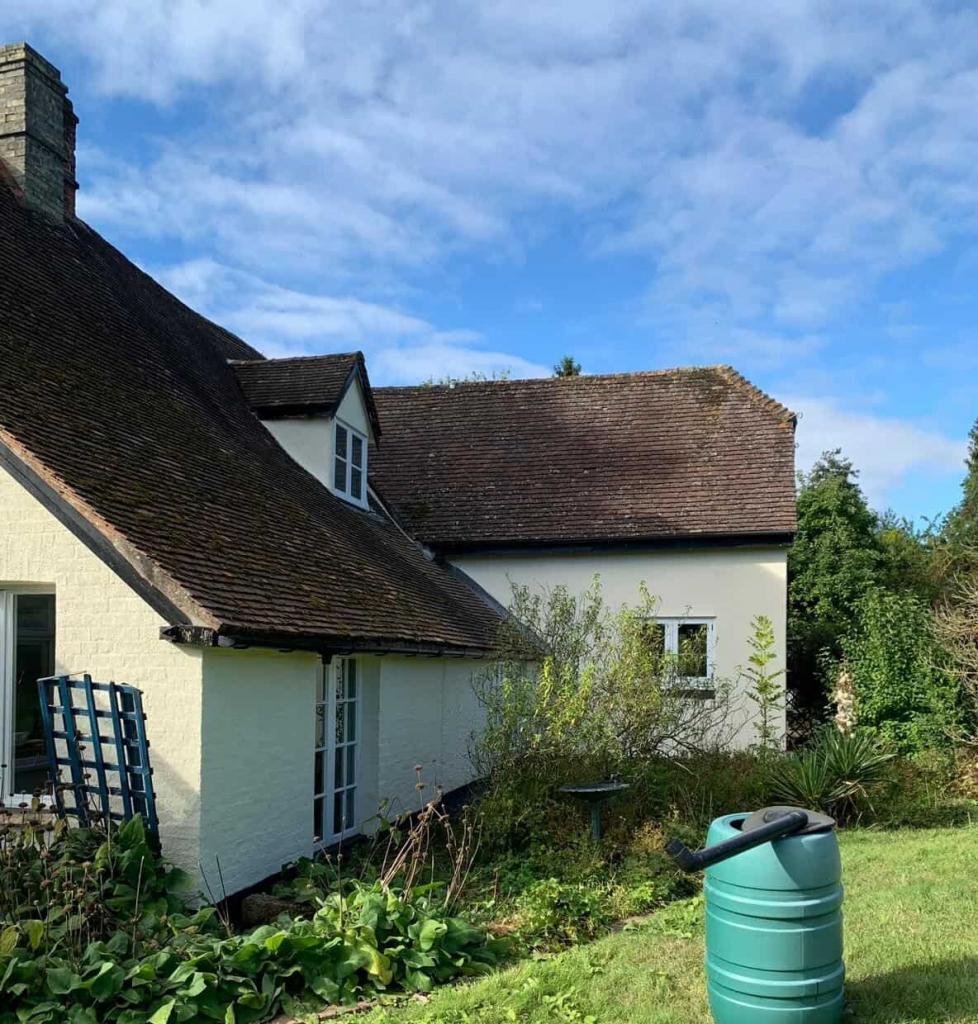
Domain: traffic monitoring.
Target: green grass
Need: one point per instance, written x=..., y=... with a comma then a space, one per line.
x=911, y=917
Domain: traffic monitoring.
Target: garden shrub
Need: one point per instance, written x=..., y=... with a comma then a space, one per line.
x=901, y=690
x=839, y=774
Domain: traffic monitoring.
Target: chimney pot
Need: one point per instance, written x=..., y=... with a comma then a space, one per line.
x=37, y=131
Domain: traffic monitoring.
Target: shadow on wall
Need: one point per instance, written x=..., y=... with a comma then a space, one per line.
x=945, y=990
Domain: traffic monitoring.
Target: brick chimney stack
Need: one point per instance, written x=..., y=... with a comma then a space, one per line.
x=37, y=131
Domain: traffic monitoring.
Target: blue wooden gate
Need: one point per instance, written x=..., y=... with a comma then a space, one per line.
x=97, y=750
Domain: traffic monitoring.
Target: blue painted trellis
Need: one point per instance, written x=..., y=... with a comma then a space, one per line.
x=97, y=731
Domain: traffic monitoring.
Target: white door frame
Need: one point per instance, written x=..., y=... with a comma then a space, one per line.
x=8, y=684
x=325, y=787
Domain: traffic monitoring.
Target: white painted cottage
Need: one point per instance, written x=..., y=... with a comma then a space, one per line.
x=302, y=573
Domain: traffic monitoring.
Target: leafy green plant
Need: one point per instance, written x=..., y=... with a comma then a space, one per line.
x=837, y=775
x=553, y=913
x=96, y=930
x=764, y=686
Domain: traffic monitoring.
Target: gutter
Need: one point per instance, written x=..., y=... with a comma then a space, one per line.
x=237, y=638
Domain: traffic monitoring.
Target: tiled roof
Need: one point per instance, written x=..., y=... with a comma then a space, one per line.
x=120, y=400
x=687, y=453
x=302, y=385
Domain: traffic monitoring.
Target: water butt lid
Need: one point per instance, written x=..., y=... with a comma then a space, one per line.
x=817, y=822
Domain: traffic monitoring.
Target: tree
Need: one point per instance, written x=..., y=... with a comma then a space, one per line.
x=567, y=367
x=836, y=559
x=960, y=532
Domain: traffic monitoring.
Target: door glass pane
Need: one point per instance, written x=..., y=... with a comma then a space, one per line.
x=320, y=725
x=338, y=826
x=338, y=769
x=340, y=724
x=692, y=650
x=351, y=808
x=317, y=818
x=351, y=762
x=33, y=659
x=351, y=679
x=318, y=782
x=351, y=721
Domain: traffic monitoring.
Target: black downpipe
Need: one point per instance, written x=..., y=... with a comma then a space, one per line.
x=690, y=860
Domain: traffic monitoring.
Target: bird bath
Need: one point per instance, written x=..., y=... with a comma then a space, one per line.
x=595, y=795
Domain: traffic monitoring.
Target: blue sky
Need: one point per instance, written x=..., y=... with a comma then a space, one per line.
x=790, y=188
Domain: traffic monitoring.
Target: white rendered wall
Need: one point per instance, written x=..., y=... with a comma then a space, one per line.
x=309, y=440
x=428, y=713
x=104, y=628
x=730, y=585
x=257, y=764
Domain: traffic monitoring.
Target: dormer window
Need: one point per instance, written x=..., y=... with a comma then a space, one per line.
x=349, y=463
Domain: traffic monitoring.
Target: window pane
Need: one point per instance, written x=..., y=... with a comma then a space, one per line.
x=692, y=650
x=341, y=680
x=317, y=819
x=351, y=765
x=357, y=453
x=339, y=474
x=338, y=763
x=655, y=639
x=351, y=808
x=356, y=483
x=341, y=441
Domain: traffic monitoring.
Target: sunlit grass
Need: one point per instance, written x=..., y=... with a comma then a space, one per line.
x=911, y=950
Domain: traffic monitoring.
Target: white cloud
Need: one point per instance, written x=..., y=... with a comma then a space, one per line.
x=767, y=163
x=360, y=136
x=400, y=348
x=885, y=450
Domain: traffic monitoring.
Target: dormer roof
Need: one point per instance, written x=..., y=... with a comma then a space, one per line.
x=304, y=385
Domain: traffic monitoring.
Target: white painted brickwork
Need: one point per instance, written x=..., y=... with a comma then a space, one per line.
x=428, y=712
x=105, y=629
x=257, y=771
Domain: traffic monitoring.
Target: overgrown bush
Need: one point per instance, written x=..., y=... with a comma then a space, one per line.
x=902, y=688
x=578, y=693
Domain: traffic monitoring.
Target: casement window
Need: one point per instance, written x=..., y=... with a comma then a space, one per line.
x=689, y=642
x=336, y=768
x=27, y=633
x=349, y=463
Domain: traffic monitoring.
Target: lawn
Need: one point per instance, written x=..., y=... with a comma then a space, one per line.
x=911, y=951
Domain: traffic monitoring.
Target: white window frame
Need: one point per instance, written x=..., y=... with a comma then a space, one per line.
x=346, y=456
x=8, y=686
x=671, y=626
x=325, y=787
